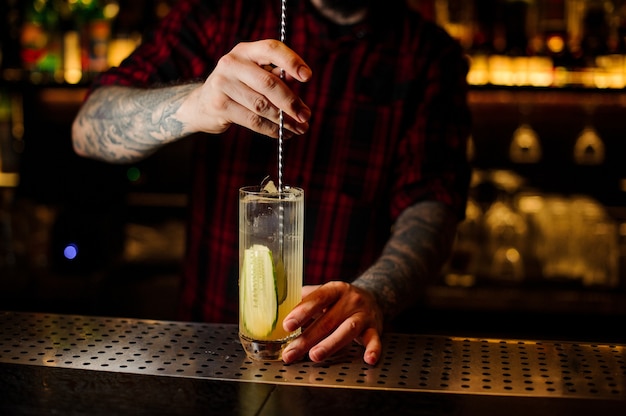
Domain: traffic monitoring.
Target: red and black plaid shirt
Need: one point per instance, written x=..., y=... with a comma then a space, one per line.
x=389, y=128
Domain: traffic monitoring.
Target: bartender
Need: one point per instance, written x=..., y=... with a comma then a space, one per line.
x=375, y=112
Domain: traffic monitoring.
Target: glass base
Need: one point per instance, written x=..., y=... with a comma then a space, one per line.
x=264, y=350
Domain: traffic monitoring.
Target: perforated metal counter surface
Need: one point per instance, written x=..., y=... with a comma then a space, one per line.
x=37, y=348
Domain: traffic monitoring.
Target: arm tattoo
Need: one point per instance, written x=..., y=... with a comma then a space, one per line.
x=123, y=125
x=421, y=241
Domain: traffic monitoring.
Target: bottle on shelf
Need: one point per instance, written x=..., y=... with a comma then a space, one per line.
x=93, y=18
x=10, y=32
x=595, y=29
x=72, y=55
x=62, y=40
x=9, y=148
x=8, y=181
x=40, y=40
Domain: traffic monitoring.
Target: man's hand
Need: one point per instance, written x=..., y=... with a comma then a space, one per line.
x=332, y=316
x=123, y=124
x=245, y=88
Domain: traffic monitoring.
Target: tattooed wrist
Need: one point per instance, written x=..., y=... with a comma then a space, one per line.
x=418, y=247
x=123, y=125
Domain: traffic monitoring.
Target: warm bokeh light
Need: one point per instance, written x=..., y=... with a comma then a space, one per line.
x=609, y=72
x=479, y=70
x=120, y=48
x=72, y=60
x=111, y=10
x=555, y=44
x=500, y=70
x=9, y=180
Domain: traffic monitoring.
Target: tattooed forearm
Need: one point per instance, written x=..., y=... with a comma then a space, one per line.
x=123, y=125
x=420, y=243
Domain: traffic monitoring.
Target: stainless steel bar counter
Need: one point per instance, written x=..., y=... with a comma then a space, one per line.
x=85, y=365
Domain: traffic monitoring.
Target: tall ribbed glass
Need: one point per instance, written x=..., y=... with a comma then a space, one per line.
x=271, y=229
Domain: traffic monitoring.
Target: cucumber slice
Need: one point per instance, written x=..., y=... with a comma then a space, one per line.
x=281, y=280
x=260, y=303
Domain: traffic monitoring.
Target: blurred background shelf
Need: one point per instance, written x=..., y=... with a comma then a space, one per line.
x=520, y=299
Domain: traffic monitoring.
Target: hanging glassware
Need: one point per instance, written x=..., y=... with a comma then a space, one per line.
x=525, y=145
x=589, y=148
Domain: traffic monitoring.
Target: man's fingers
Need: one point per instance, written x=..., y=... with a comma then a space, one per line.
x=240, y=115
x=279, y=55
x=249, y=75
x=338, y=339
x=273, y=94
x=373, y=346
x=313, y=304
x=263, y=94
x=269, y=83
x=341, y=315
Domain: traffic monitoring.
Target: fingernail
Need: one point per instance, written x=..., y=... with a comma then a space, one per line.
x=318, y=354
x=290, y=324
x=304, y=73
x=304, y=115
x=288, y=355
x=372, y=358
x=301, y=129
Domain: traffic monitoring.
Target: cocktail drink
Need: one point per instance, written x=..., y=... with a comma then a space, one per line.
x=271, y=228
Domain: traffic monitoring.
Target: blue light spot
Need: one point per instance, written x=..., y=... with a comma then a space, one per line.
x=70, y=252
